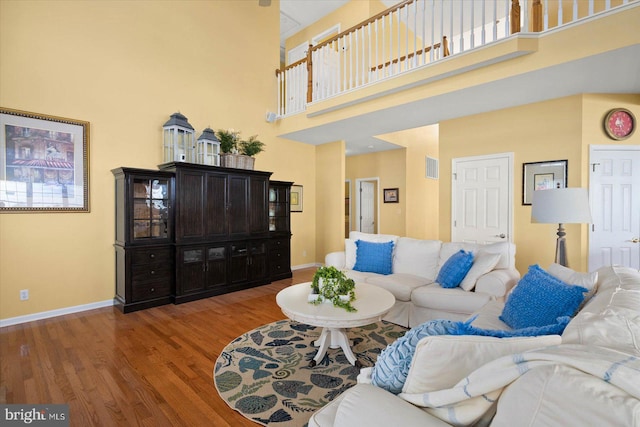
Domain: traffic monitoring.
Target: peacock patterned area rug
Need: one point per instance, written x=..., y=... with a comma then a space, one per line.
x=265, y=374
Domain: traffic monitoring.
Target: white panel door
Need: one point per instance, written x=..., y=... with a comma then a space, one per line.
x=367, y=213
x=482, y=199
x=614, y=238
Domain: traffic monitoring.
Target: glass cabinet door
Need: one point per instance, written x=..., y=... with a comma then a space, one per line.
x=278, y=209
x=150, y=208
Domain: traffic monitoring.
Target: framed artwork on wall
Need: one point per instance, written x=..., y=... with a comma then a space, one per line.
x=44, y=163
x=296, y=198
x=542, y=176
x=391, y=195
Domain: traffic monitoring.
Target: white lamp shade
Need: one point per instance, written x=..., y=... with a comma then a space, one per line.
x=561, y=206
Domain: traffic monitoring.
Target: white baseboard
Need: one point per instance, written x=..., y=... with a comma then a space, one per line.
x=53, y=313
x=301, y=266
x=78, y=308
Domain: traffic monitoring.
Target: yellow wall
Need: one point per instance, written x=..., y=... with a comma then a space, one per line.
x=421, y=193
x=552, y=130
x=390, y=168
x=330, y=177
x=125, y=67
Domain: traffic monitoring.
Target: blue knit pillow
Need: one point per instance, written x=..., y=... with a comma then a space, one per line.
x=374, y=257
x=539, y=299
x=391, y=368
x=454, y=269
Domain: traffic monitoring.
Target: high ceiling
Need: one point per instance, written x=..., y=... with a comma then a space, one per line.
x=621, y=66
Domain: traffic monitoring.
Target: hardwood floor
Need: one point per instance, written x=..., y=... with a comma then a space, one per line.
x=150, y=368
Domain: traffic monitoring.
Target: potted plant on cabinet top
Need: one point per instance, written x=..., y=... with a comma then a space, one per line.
x=238, y=153
x=331, y=284
x=250, y=148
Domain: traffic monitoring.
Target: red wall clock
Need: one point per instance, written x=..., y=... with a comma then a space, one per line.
x=619, y=123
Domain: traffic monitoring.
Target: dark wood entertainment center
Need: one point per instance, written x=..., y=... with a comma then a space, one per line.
x=189, y=231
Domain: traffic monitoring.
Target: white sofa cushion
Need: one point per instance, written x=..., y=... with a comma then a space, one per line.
x=400, y=285
x=558, y=395
x=455, y=299
x=440, y=361
x=572, y=277
x=506, y=250
x=417, y=257
x=483, y=263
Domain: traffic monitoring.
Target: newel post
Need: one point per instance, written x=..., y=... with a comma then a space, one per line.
x=515, y=16
x=309, y=75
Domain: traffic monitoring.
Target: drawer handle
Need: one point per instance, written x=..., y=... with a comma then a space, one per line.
x=152, y=256
x=153, y=272
x=153, y=289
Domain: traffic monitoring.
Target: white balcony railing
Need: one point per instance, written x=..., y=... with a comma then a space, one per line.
x=413, y=34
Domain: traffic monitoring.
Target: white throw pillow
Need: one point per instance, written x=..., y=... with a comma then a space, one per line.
x=482, y=264
x=572, y=277
x=349, y=253
x=441, y=361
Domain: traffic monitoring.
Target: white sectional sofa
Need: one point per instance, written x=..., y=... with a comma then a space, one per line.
x=415, y=267
x=588, y=376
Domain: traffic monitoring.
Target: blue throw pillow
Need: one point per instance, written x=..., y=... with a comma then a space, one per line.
x=391, y=368
x=454, y=269
x=374, y=257
x=557, y=328
x=539, y=299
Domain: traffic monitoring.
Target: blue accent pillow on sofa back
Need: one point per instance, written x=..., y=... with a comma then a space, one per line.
x=454, y=269
x=539, y=299
x=374, y=257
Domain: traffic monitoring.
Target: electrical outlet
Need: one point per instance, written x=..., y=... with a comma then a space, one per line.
x=24, y=294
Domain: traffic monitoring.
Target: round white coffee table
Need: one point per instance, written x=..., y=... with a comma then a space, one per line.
x=371, y=302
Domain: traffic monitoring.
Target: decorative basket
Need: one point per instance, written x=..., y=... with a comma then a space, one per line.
x=238, y=161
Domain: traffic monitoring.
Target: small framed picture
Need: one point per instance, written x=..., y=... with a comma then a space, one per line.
x=538, y=176
x=44, y=163
x=296, y=198
x=391, y=195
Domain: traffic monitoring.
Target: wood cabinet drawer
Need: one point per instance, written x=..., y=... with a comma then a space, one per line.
x=151, y=272
x=145, y=291
x=151, y=255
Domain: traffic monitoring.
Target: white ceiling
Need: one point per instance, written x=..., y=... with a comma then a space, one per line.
x=616, y=71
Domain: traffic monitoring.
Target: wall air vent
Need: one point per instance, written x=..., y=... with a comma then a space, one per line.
x=432, y=168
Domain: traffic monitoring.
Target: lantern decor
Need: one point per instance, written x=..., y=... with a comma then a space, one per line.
x=208, y=148
x=179, y=139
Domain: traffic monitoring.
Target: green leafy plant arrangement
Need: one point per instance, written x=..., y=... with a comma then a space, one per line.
x=336, y=287
x=251, y=146
x=229, y=140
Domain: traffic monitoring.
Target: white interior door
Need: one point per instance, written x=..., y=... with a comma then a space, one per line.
x=367, y=207
x=482, y=199
x=614, y=188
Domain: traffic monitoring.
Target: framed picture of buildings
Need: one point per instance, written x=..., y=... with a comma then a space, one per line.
x=44, y=163
x=538, y=176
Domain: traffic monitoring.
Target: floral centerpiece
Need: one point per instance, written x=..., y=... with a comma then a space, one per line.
x=331, y=284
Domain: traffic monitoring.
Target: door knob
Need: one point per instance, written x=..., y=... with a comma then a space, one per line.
x=635, y=240
x=501, y=235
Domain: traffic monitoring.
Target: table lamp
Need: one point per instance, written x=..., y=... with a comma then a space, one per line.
x=561, y=206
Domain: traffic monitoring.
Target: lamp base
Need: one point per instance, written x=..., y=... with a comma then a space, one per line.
x=561, y=248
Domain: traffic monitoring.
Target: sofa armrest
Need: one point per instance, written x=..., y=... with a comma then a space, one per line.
x=367, y=405
x=498, y=283
x=336, y=259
